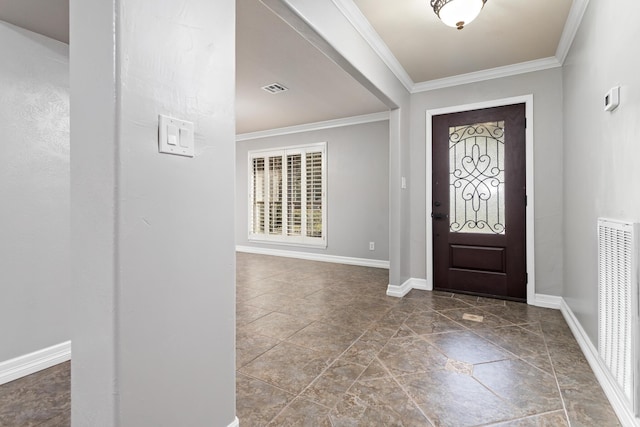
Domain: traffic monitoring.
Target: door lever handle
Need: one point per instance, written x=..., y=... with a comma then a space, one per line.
x=439, y=215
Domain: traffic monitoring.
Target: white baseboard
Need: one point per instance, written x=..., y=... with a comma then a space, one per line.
x=399, y=291
x=33, y=362
x=402, y=290
x=363, y=262
x=420, y=284
x=235, y=423
x=607, y=382
x=541, y=300
x=546, y=301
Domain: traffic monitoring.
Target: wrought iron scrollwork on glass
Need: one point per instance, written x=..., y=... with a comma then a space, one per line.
x=476, y=171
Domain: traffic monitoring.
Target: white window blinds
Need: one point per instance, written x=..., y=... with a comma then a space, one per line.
x=288, y=203
x=314, y=192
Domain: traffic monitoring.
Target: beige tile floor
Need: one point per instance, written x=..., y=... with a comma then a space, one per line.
x=320, y=344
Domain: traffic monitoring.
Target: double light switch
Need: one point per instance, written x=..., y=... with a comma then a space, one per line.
x=175, y=136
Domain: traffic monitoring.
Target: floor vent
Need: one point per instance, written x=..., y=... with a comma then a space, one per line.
x=618, y=306
x=274, y=88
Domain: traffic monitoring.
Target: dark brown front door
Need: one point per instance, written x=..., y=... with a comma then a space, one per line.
x=479, y=202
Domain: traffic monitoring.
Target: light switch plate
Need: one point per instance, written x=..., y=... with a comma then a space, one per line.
x=175, y=136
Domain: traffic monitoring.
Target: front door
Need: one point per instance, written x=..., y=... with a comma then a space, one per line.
x=479, y=202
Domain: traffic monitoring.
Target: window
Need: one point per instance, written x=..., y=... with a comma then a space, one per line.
x=287, y=200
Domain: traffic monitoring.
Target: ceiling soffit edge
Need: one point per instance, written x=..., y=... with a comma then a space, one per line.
x=293, y=18
x=351, y=11
x=348, y=121
x=353, y=14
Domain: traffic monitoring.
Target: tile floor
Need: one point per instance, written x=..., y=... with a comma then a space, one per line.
x=41, y=399
x=321, y=345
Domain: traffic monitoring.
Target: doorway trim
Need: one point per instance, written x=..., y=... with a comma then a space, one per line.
x=530, y=209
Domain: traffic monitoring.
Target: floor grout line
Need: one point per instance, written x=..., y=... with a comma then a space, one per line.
x=555, y=376
x=299, y=395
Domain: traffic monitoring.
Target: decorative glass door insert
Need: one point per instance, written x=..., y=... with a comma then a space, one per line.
x=476, y=178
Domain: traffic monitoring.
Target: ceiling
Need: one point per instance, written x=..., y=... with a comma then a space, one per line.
x=267, y=51
x=506, y=32
x=409, y=37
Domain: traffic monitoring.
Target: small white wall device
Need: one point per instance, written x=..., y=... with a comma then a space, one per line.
x=612, y=99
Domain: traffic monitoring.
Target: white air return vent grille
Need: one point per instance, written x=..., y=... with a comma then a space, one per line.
x=274, y=88
x=618, y=338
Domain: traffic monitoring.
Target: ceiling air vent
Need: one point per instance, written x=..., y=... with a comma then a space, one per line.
x=274, y=88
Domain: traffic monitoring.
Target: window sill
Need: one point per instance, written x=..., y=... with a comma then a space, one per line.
x=278, y=241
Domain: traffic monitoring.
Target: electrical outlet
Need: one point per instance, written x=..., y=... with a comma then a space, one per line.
x=372, y=246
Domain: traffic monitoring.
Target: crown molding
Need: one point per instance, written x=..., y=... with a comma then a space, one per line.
x=492, y=73
x=578, y=8
x=349, y=121
x=352, y=12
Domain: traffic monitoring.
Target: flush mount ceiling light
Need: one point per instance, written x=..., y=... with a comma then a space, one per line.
x=457, y=13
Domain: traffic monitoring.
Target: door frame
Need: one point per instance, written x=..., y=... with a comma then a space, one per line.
x=530, y=209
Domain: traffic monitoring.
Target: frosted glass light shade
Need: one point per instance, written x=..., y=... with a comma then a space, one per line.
x=458, y=13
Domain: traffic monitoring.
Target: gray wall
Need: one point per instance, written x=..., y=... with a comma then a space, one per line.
x=357, y=194
x=34, y=192
x=601, y=173
x=546, y=87
x=152, y=234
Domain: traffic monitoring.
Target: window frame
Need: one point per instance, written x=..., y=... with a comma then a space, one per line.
x=283, y=238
